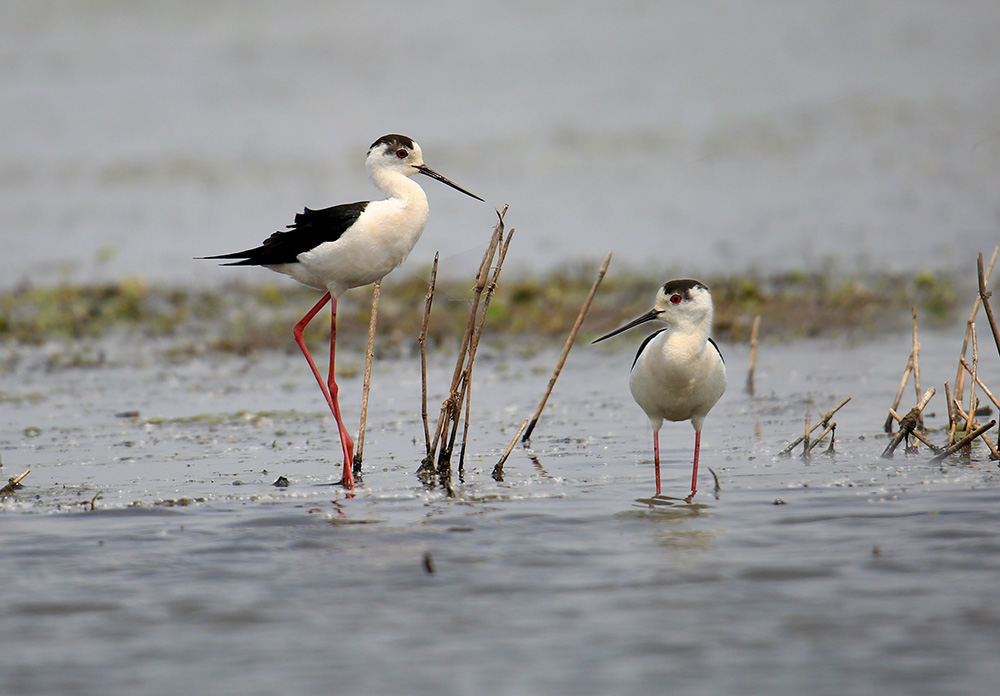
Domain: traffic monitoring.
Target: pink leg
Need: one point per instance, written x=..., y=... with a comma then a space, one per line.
x=330, y=389
x=656, y=458
x=694, y=473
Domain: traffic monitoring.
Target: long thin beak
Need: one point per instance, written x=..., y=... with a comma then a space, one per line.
x=648, y=316
x=424, y=169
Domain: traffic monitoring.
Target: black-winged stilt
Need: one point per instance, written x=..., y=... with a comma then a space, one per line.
x=678, y=373
x=350, y=245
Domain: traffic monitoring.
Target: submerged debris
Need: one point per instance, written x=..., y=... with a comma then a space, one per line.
x=824, y=421
x=14, y=483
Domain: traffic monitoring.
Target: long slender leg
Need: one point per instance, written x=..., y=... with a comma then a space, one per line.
x=694, y=473
x=656, y=458
x=331, y=398
x=297, y=331
x=345, y=437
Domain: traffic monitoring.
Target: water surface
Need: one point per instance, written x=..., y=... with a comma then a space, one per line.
x=193, y=572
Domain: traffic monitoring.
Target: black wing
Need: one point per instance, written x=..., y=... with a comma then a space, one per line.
x=645, y=342
x=651, y=336
x=721, y=356
x=310, y=229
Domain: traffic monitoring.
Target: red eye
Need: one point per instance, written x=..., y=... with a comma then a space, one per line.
x=675, y=299
x=401, y=154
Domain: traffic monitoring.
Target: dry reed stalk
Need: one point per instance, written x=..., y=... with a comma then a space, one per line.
x=912, y=367
x=967, y=440
x=753, y=355
x=465, y=427
x=498, y=469
x=916, y=433
x=451, y=407
x=970, y=416
x=14, y=483
x=899, y=392
x=916, y=362
x=822, y=422
x=566, y=348
x=960, y=376
x=422, y=340
x=980, y=383
x=532, y=420
x=805, y=437
x=464, y=394
x=951, y=414
x=960, y=412
x=449, y=403
x=989, y=443
x=985, y=295
x=830, y=428
x=973, y=402
x=910, y=423
x=360, y=448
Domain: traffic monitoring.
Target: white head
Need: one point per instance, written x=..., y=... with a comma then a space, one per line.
x=684, y=304
x=401, y=155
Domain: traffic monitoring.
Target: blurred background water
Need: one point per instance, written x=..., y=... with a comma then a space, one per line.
x=691, y=136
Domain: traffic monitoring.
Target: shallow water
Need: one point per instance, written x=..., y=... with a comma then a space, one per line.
x=149, y=551
x=194, y=570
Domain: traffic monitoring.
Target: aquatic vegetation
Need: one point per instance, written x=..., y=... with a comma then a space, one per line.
x=241, y=318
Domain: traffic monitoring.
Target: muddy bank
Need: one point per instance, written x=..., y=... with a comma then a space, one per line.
x=243, y=317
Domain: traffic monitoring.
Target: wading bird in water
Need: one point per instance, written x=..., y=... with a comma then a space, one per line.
x=678, y=373
x=350, y=245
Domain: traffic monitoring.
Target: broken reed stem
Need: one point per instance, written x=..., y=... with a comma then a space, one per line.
x=985, y=295
x=360, y=449
x=912, y=366
x=422, y=340
x=566, y=348
x=916, y=433
x=14, y=483
x=916, y=356
x=899, y=392
x=993, y=448
x=951, y=449
x=823, y=421
x=466, y=384
x=916, y=366
x=908, y=424
x=753, y=355
x=498, y=469
x=452, y=405
x=979, y=382
x=960, y=376
x=465, y=428
x=449, y=402
x=831, y=427
x=972, y=387
x=466, y=392
x=805, y=440
x=971, y=418
x=951, y=414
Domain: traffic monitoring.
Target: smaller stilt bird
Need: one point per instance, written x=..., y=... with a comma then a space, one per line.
x=678, y=373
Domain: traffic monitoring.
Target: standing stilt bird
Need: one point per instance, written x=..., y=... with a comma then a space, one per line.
x=350, y=245
x=678, y=373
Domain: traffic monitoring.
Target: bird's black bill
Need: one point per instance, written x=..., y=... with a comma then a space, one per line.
x=648, y=316
x=424, y=169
